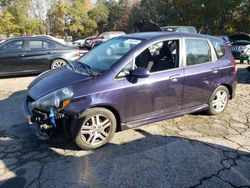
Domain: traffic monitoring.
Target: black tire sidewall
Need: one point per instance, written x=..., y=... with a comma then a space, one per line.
x=211, y=110
x=77, y=124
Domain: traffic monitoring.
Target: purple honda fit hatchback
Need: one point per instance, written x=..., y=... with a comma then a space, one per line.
x=129, y=81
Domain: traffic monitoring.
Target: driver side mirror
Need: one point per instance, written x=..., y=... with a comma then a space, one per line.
x=140, y=72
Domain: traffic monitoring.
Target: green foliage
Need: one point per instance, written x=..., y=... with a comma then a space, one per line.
x=118, y=15
x=80, y=24
x=35, y=26
x=70, y=19
x=57, y=17
x=7, y=25
x=100, y=15
x=213, y=16
x=16, y=19
x=78, y=18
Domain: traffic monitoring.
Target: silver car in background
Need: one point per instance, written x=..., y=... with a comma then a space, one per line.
x=179, y=29
x=240, y=48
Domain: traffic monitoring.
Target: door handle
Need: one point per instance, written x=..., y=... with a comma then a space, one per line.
x=49, y=53
x=215, y=70
x=21, y=55
x=174, y=78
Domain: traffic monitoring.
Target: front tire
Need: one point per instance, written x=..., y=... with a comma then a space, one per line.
x=94, y=128
x=218, y=100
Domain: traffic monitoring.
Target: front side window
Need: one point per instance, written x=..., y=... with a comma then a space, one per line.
x=126, y=70
x=197, y=52
x=159, y=56
x=13, y=46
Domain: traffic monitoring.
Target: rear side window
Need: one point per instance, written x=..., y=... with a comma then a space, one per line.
x=51, y=45
x=38, y=45
x=197, y=52
x=218, y=47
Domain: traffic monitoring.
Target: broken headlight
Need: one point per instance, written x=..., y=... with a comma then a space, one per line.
x=58, y=99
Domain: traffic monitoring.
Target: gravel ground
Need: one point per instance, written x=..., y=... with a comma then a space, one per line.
x=190, y=151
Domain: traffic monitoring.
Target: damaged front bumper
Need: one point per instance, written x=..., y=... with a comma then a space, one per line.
x=42, y=123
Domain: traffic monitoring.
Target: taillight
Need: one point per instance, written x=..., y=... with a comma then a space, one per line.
x=235, y=66
x=78, y=53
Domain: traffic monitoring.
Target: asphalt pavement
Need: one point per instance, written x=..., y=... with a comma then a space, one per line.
x=194, y=150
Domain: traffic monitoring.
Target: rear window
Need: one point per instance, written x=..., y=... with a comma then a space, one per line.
x=218, y=47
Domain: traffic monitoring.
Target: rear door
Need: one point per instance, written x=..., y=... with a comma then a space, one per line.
x=12, y=55
x=202, y=72
x=38, y=55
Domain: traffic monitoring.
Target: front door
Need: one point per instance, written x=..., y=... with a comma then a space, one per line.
x=38, y=56
x=160, y=93
x=12, y=55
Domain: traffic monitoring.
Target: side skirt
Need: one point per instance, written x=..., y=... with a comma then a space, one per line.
x=149, y=120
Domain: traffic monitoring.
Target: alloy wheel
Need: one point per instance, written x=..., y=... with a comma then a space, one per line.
x=96, y=129
x=220, y=101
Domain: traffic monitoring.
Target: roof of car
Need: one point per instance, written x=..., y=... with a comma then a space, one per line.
x=110, y=32
x=37, y=37
x=151, y=35
x=242, y=41
x=177, y=26
x=27, y=37
x=31, y=37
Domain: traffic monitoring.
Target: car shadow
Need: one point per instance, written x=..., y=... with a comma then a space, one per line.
x=243, y=75
x=134, y=158
x=19, y=76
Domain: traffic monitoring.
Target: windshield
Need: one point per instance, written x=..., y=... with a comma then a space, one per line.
x=108, y=53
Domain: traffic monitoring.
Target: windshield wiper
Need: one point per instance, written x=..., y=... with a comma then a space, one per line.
x=71, y=65
x=79, y=65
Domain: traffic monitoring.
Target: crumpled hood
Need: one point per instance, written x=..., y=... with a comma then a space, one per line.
x=53, y=80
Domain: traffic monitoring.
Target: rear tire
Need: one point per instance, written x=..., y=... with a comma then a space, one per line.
x=94, y=128
x=218, y=100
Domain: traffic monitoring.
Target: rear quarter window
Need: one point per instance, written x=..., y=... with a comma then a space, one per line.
x=219, y=47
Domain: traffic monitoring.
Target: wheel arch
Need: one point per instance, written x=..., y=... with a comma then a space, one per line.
x=230, y=90
x=114, y=111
